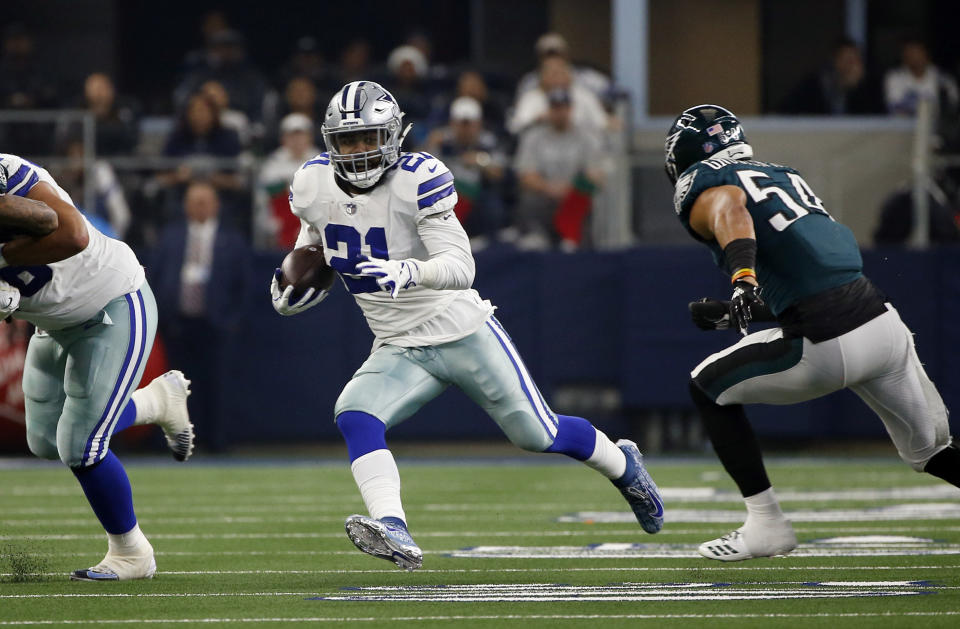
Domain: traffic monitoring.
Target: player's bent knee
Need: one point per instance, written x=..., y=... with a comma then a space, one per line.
x=42, y=445
x=525, y=431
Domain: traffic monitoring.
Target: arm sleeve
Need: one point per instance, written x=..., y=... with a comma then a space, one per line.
x=451, y=264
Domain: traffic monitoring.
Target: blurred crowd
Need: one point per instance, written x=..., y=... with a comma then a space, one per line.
x=527, y=155
x=530, y=154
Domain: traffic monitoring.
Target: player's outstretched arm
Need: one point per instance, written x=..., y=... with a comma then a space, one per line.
x=20, y=216
x=69, y=238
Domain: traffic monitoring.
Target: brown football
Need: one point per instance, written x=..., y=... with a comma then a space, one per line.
x=305, y=268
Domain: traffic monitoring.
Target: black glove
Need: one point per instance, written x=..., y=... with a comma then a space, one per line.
x=745, y=297
x=710, y=314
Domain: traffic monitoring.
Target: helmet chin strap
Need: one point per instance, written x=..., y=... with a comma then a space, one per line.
x=403, y=135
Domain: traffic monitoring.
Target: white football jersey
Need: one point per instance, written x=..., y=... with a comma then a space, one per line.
x=69, y=292
x=383, y=223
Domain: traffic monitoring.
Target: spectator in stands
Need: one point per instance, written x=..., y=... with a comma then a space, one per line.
x=843, y=87
x=474, y=157
x=558, y=165
x=116, y=119
x=226, y=62
x=110, y=212
x=554, y=45
x=25, y=85
x=353, y=65
x=471, y=83
x=200, y=272
x=299, y=97
x=199, y=135
x=229, y=118
x=407, y=82
x=274, y=226
x=555, y=74
x=306, y=61
x=918, y=78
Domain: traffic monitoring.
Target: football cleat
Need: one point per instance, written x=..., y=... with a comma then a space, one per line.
x=120, y=568
x=734, y=546
x=171, y=390
x=639, y=489
x=387, y=538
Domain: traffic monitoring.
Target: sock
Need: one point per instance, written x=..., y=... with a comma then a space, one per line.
x=108, y=491
x=734, y=442
x=363, y=433
x=763, y=507
x=579, y=439
x=378, y=478
x=146, y=405
x=128, y=417
x=129, y=543
x=945, y=464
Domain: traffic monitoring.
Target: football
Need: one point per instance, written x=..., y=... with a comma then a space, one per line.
x=305, y=268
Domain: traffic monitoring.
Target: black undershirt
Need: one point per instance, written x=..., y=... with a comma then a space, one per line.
x=833, y=312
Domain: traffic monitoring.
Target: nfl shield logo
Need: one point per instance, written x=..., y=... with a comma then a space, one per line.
x=350, y=208
x=708, y=147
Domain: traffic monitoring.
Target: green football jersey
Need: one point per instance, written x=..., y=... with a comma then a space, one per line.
x=801, y=250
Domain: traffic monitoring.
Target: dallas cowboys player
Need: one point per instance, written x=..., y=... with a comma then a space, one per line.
x=386, y=222
x=95, y=317
x=767, y=228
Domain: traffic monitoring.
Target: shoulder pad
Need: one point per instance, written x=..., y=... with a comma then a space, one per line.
x=684, y=184
x=306, y=184
x=428, y=182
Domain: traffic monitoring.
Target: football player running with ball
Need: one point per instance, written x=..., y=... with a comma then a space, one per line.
x=387, y=226
x=768, y=229
x=95, y=319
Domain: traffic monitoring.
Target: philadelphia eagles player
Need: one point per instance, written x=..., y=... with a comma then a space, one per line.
x=767, y=228
x=386, y=223
x=95, y=317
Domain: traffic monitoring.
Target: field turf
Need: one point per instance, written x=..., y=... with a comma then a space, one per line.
x=528, y=541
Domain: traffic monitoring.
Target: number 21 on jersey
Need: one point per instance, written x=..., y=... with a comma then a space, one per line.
x=375, y=239
x=801, y=203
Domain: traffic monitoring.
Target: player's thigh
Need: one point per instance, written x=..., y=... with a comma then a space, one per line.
x=43, y=393
x=488, y=368
x=766, y=368
x=391, y=385
x=105, y=361
x=908, y=403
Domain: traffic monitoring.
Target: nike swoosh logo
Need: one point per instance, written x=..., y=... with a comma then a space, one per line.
x=432, y=169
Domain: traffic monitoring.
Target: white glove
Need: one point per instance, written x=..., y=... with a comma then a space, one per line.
x=9, y=299
x=392, y=275
x=281, y=300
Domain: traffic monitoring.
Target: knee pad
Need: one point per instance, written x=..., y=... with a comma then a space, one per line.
x=42, y=445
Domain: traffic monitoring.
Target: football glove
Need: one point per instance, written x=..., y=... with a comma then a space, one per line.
x=281, y=299
x=9, y=299
x=745, y=297
x=710, y=314
x=392, y=275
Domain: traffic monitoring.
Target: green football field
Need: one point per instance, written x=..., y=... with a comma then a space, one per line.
x=509, y=542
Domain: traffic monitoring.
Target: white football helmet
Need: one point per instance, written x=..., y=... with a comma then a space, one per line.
x=363, y=111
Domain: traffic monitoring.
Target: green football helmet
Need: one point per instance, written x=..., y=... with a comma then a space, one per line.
x=703, y=132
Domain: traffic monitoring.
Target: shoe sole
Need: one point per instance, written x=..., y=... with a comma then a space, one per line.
x=180, y=444
x=371, y=538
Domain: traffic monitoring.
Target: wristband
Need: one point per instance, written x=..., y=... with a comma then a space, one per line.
x=742, y=273
x=740, y=254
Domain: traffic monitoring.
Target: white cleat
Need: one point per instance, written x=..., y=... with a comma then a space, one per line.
x=741, y=544
x=120, y=567
x=171, y=390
